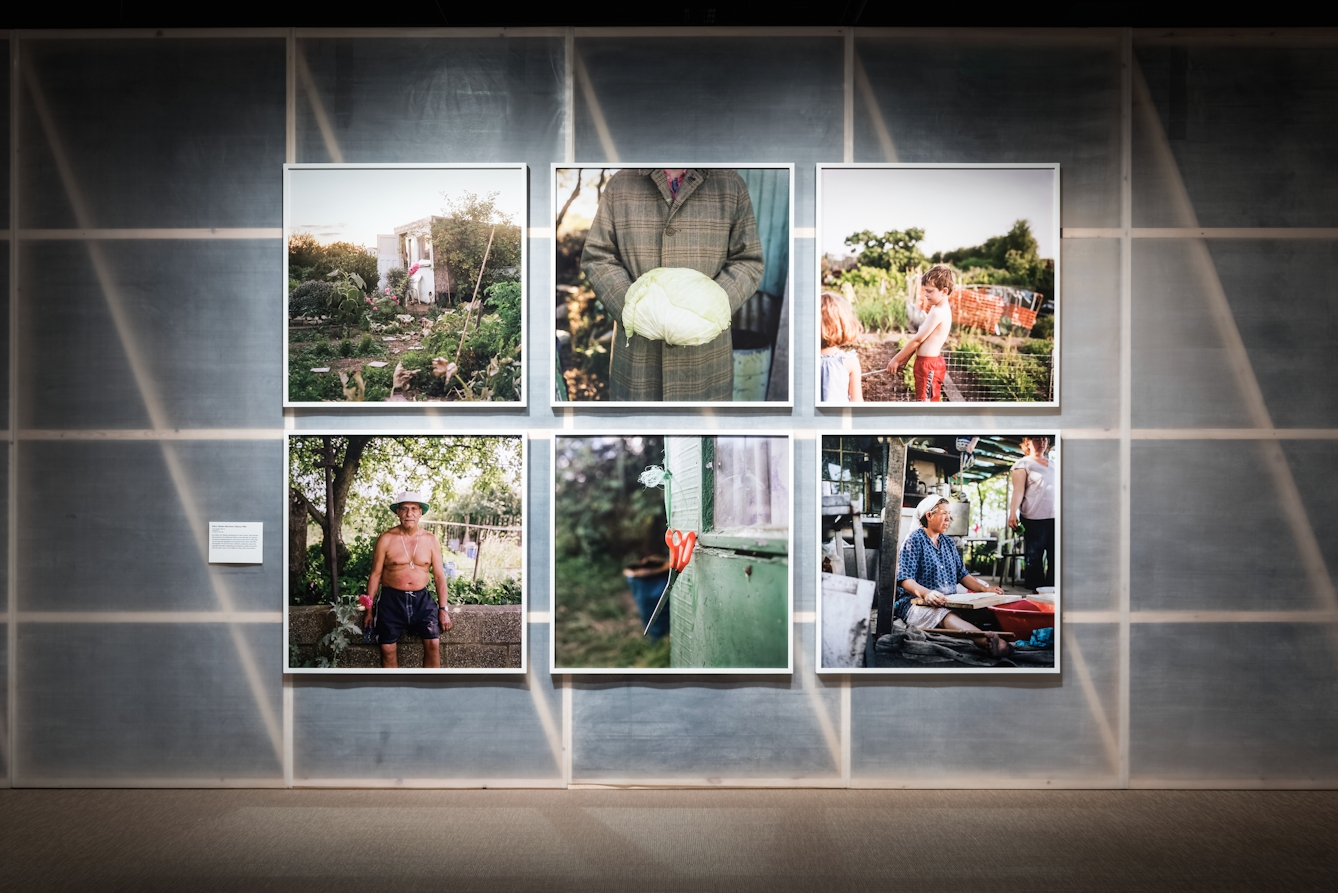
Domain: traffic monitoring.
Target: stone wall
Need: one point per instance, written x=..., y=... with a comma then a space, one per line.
x=483, y=636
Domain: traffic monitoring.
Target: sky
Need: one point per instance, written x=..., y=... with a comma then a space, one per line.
x=358, y=204
x=956, y=207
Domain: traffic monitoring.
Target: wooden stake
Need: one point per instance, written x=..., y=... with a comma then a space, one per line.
x=470, y=309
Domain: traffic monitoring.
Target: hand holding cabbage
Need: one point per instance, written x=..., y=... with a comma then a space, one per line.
x=676, y=305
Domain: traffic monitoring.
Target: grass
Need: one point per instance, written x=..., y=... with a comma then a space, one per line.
x=597, y=623
x=877, y=310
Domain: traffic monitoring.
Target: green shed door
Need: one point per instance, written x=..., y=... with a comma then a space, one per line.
x=730, y=608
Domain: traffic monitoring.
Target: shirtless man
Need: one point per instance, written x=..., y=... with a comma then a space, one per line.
x=927, y=345
x=404, y=554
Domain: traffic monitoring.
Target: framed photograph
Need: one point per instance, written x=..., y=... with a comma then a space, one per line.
x=404, y=284
x=673, y=284
x=405, y=553
x=939, y=553
x=671, y=553
x=938, y=283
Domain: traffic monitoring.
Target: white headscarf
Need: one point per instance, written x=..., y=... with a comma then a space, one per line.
x=927, y=504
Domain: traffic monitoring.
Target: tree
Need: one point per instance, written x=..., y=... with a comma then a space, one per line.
x=342, y=455
x=367, y=472
x=309, y=259
x=602, y=511
x=460, y=240
x=1011, y=259
x=895, y=250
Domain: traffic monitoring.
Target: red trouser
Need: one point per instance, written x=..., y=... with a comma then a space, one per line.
x=929, y=373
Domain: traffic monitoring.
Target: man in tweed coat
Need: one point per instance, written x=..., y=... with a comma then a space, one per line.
x=699, y=219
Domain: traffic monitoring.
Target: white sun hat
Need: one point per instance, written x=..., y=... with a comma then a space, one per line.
x=409, y=496
x=927, y=504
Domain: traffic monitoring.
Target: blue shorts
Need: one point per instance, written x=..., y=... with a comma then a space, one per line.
x=399, y=611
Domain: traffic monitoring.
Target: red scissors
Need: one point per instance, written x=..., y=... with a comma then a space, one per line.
x=680, y=553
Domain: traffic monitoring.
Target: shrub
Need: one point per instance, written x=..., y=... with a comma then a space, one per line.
x=1009, y=376
x=307, y=386
x=310, y=298
x=1037, y=347
x=482, y=592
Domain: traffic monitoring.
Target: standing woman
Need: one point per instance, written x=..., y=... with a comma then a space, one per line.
x=1033, y=503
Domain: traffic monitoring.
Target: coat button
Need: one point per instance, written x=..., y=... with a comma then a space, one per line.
x=669, y=230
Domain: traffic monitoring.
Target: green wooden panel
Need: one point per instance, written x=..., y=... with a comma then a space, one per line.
x=730, y=608
x=741, y=611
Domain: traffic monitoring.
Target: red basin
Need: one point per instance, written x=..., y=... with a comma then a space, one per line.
x=1024, y=617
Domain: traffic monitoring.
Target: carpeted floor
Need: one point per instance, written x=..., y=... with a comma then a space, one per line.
x=653, y=840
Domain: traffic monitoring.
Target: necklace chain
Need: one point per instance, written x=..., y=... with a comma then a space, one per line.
x=410, y=554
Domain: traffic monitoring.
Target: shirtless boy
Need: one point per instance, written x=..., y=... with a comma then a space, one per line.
x=404, y=554
x=927, y=345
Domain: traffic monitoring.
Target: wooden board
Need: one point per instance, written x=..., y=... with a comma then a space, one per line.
x=963, y=601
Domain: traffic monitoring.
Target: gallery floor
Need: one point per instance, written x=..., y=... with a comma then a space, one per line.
x=650, y=840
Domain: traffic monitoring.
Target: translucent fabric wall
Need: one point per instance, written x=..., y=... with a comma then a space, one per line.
x=1199, y=401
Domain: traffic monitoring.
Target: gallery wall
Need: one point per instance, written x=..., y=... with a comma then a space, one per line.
x=1199, y=402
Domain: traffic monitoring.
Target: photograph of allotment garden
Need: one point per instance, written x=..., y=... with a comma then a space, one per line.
x=404, y=284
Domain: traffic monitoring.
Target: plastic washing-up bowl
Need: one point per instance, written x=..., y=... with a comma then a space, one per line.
x=1024, y=617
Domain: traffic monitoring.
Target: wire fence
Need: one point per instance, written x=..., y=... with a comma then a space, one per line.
x=975, y=374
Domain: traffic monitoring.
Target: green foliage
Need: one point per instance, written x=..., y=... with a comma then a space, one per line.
x=489, y=367
x=310, y=298
x=1010, y=259
x=1037, y=347
x=596, y=621
x=308, y=259
x=482, y=592
x=1006, y=377
x=460, y=241
x=895, y=250
x=866, y=277
x=307, y=386
x=347, y=298
x=1045, y=327
x=397, y=284
x=347, y=630
x=445, y=467
x=505, y=299
x=880, y=304
x=602, y=511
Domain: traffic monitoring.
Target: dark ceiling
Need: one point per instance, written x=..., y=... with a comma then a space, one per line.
x=448, y=13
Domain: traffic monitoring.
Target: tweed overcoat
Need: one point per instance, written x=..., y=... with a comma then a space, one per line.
x=640, y=225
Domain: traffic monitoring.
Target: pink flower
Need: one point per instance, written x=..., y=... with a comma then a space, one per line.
x=365, y=600
x=413, y=269
x=387, y=291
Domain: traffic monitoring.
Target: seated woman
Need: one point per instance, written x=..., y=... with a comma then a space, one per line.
x=929, y=568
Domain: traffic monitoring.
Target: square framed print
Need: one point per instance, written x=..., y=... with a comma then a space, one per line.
x=939, y=553
x=405, y=553
x=673, y=284
x=671, y=553
x=404, y=284
x=937, y=283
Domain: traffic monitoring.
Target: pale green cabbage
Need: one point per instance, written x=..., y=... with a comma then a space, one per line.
x=677, y=306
